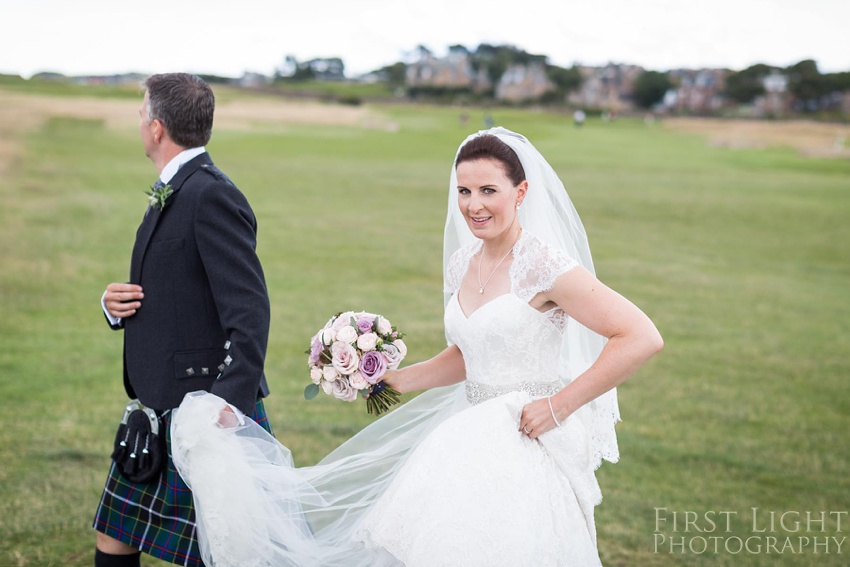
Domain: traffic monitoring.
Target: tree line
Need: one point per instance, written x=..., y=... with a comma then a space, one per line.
x=807, y=86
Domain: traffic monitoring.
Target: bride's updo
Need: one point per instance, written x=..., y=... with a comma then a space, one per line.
x=488, y=146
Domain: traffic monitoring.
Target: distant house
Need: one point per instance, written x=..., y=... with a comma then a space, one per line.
x=610, y=87
x=253, y=80
x=120, y=79
x=523, y=82
x=696, y=91
x=327, y=69
x=452, y=72
x=776, y=100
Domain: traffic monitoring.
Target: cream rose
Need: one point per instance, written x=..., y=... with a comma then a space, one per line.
x=328, y=387
x=343, y=320
x=316, y=374
x=328, y=336
x=329, y=373
x=367, y=341
x=384, y=326
x=357, y=381
x=347, y=334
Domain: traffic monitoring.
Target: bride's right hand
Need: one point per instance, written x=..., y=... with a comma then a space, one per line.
x=392, y=379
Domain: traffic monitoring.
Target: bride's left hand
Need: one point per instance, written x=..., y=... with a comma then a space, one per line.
x=536, y=419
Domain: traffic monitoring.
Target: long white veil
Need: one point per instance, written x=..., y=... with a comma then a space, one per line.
x=254, y=508
x=549, y=214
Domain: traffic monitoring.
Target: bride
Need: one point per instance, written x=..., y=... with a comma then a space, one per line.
x=495, y=464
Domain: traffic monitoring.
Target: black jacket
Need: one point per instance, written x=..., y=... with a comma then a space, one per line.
x=204, y=320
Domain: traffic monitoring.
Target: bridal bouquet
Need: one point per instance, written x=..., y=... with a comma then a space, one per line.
x=350, y=354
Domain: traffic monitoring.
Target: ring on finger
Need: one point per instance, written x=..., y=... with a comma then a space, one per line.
x=526, y=430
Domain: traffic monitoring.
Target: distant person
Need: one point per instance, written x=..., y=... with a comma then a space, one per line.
x=578, y=118
x=464, y=118
x=195, y=315
x=488, y=121
x=494, y=465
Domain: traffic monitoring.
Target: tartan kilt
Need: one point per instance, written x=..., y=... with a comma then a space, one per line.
x=158, y=517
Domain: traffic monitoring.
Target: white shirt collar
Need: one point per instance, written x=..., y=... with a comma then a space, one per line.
x=178, y=161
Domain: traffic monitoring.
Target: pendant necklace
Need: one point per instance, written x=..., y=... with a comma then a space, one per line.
x=481, y=286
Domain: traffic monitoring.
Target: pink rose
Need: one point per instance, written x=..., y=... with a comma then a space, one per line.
x=328, y=336
x=367, y=342
x=328, y=387
x=373, y=365
x=344, y=391
x=344, y=357
x=316, y=374
x=393, y=355
x=402, y=348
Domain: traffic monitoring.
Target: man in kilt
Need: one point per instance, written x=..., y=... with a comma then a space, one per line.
x=195, y=315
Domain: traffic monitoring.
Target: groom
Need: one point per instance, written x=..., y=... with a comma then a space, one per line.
x=195, y=315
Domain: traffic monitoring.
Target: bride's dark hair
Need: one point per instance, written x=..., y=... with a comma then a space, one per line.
x=488, y=146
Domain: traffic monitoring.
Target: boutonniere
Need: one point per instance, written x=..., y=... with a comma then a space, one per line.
x=159, y=195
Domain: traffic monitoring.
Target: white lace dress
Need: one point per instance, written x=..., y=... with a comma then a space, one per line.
x=477, y=492
x=445, y=480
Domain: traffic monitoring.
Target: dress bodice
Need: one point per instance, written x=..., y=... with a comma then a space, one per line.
x=507, y=344
x=505, y=341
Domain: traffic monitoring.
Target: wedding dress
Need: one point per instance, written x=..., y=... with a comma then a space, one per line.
x=468, y=489
x=477, y=492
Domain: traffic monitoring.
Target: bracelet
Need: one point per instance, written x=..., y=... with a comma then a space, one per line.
x=552, y=411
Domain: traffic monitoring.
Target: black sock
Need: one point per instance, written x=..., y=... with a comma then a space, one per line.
x=102, y=559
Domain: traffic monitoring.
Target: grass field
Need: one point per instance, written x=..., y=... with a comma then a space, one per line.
x=740, y=256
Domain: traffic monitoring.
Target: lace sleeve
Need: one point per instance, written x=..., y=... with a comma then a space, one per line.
x=536, y=266
x=458, y=264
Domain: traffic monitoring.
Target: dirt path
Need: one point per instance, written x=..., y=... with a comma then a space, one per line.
x=814, y=139
x=21, y=112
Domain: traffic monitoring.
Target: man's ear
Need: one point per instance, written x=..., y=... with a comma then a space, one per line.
x=157, y=129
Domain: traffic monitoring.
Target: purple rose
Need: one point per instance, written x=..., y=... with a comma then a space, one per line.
x=373, y=365
x=364, y=324
x=316, y=350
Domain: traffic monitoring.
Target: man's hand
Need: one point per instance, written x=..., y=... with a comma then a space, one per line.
x=122, y=300
x=227, y=418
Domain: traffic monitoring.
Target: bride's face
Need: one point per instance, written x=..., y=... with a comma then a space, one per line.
x=488, y=199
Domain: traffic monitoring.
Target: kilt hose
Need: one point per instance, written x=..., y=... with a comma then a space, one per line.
x=158, y=517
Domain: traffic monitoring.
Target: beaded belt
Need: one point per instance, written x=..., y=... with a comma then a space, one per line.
x=477, y=392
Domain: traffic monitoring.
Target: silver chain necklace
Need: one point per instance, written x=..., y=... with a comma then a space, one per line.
x=481, y=286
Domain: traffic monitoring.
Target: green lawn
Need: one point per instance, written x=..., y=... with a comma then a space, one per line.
x=741, y=257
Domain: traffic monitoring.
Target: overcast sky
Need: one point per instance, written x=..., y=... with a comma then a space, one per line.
x=231, y=37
